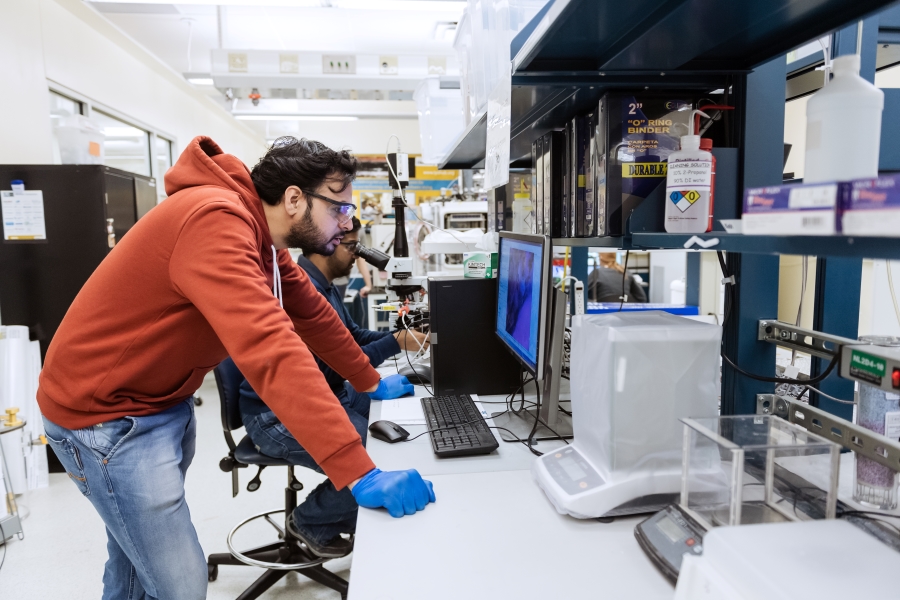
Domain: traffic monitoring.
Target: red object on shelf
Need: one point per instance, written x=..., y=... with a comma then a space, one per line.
x=895, y=378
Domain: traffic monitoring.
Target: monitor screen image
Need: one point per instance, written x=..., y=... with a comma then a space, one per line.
x=519, y=298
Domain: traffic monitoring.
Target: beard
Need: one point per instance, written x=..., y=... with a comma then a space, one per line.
x=308, y=237
x=344, y=270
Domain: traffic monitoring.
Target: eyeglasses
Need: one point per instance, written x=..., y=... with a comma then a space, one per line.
x=351, y=246
x=342, y=211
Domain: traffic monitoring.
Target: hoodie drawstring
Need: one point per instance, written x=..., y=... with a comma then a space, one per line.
x=276, y=276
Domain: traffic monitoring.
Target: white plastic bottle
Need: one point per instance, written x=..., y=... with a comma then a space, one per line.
x=843, y=126
x=688, y=184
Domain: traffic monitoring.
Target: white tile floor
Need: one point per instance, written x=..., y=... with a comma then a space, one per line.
x=64, y=549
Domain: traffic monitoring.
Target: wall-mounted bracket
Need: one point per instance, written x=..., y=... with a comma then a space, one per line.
x=818, y=344
x=869, y=444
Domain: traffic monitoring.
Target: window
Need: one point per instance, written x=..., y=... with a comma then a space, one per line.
x=163, y=157
x=124, y=146
x=61, y=106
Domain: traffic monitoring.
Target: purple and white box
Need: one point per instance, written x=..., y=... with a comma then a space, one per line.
x=872, y=207
x=798, y=209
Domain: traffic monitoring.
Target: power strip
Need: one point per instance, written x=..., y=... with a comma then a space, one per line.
x=579, y=298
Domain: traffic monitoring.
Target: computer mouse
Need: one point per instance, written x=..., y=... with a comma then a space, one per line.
x=387, y=431
x=417, y=373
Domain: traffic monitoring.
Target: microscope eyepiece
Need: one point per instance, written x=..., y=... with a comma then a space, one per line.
x=376, y=258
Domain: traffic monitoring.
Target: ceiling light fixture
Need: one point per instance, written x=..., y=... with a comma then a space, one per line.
x=406, y=5
x=295, y=118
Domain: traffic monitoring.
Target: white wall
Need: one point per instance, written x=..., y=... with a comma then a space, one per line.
x=25, y=135
x=365, y=136
x=666, y=266
x=67, y=42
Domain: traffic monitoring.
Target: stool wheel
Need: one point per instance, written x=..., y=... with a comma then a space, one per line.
x=212, y=572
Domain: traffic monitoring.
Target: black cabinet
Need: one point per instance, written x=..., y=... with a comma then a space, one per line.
x=86, y=209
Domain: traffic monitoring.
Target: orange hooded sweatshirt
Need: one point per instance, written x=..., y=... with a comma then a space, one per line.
x=190, y=284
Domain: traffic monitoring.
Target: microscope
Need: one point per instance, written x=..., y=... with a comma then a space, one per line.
x=403, y=287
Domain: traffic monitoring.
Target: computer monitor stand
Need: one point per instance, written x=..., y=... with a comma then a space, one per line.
x=553, y=423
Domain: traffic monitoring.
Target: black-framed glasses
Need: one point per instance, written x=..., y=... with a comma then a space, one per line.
x=351, y=246
x=343, y=212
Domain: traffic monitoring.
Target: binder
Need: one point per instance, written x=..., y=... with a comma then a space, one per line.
x=554, y=182
x=578, y=153
x=539, y=186
x=568, y=196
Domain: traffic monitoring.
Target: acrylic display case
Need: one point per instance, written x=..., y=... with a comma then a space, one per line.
x=739, y=470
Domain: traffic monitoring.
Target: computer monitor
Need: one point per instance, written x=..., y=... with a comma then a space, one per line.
x=530, y=323
x=522, y=298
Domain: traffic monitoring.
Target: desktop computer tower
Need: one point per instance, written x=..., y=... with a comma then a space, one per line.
x=467, y=357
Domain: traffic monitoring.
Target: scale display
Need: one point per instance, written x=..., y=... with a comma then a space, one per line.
x=667, y=536
x=571, y=471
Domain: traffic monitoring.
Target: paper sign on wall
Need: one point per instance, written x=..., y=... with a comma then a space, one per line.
x=23, y=215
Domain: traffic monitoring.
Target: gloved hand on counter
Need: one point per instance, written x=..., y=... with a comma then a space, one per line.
x=392, y=386
x=400, y=492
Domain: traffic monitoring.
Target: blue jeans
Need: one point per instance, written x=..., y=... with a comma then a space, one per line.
x=326, y=512
x=132, y=470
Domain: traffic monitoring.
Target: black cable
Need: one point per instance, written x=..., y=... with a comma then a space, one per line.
x=419, y=377
x=816, y=379
x=729, y=302
x=624, y=274
x=729, y=296
x=870, y=516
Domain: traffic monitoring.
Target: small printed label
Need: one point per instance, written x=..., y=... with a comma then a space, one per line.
x=689, y=174
x=892, y=425
x=632, y=169
x=820, y=196
x=684, y=199
x=867, y=367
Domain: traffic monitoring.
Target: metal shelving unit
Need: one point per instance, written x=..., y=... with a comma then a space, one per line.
x=820, y=245
x=575, y=50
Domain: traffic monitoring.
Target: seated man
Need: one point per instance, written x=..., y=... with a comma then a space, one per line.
x=326, y=513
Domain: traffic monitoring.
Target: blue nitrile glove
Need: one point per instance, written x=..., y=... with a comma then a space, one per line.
x=392, y=386
x=400, y=492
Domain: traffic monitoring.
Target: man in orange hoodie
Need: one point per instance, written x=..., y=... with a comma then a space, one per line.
x=205, y=275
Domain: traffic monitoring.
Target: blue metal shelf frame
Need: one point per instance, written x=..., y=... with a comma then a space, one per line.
x=575, y=50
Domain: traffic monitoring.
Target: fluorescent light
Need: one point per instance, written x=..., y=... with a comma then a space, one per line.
x=407, y=5
x=201, y=80
x=294, y=118
x=250, y=3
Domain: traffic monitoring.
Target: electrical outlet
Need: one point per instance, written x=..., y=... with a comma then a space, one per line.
x=237, y=62
x=387, y=65
x=333, y=64
x=289, y=63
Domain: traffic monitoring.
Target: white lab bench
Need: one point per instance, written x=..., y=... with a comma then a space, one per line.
x=491, y=534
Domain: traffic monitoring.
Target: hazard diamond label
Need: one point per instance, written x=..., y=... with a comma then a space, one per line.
x=684, y=199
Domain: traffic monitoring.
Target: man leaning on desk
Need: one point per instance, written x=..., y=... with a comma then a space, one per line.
x=206, y=275
x=328, y=512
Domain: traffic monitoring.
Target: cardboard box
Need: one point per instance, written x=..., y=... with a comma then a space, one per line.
x=872, y=207
x=796, y=209
x=480, y=265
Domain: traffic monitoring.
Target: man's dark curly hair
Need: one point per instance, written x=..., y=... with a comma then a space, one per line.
x=304, y=163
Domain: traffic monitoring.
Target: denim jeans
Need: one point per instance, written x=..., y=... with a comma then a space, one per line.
x=132, y=470
x=326, y=512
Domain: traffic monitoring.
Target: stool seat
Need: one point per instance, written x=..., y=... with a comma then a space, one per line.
x=247, y=453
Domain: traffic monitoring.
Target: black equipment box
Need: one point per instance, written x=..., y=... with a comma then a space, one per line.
x=467, y=357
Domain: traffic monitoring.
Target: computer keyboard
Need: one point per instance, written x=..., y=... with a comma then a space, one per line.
x=462, y=440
